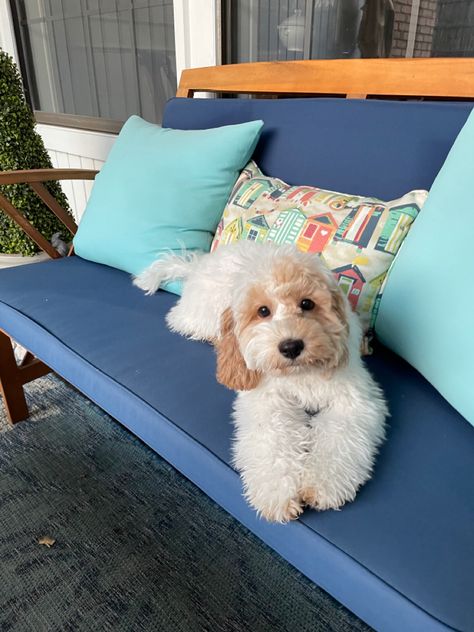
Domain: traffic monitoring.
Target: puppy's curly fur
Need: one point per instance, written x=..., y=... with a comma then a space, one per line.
x=308, y=416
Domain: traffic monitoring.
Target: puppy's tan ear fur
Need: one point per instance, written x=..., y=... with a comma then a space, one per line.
x=231, y=368
x=339, y=308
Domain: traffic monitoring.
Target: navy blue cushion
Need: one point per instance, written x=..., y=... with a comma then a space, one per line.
x=379, y=148
x=401, y=556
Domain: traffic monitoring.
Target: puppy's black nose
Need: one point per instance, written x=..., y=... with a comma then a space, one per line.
x=291, y=348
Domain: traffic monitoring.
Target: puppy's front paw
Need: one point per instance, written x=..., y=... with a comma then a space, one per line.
x=284, y=512
x=309, y=497
x=275, y=497
x=321, y=499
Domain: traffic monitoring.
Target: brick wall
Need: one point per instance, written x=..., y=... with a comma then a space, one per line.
x=400, y=27
x=426, y=27
x=424, y=32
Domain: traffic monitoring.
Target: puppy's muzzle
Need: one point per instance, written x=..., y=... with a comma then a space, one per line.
x=290, y=348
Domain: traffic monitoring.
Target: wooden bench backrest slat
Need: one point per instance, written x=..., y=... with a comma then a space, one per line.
x=354, y=78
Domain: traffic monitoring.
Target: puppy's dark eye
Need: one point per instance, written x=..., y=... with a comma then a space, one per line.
x=307, y=305
x=263, y=311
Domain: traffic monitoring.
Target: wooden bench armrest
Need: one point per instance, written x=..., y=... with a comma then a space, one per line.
x=45, y=175
x=35, y=178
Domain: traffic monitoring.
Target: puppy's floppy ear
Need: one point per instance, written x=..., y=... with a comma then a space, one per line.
x=231, y=368
x=339, y=308
x=336, y=323
x=339, y=305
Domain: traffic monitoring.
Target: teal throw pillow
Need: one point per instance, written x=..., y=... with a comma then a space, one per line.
x=161, y=190
x=427, y=311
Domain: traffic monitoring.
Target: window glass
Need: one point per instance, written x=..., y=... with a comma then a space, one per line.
x=99, y=58
x=265, y=30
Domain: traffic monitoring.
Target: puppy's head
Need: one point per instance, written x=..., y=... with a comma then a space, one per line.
x=288, y=315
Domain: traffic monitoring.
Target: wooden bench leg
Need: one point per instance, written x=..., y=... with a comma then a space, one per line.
x=11, y=386
x=14, y=376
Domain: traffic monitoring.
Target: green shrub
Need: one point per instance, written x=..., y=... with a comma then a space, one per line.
x=21, y=147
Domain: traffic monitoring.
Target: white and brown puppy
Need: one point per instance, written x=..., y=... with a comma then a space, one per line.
x=308, y=416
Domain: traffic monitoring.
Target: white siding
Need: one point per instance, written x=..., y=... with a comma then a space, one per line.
x=70, y=148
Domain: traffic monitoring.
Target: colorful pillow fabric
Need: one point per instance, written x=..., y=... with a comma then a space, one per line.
x=161, y=189
x=358, y=237
x=427, y=312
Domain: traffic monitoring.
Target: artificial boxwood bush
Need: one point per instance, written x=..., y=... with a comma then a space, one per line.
x=21, y=147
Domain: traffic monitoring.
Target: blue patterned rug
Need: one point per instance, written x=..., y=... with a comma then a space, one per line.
x=137, y=546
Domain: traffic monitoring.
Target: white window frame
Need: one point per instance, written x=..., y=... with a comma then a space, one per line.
x=7, y=33
x=197, y=32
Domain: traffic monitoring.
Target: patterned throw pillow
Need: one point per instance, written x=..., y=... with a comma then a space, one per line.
x=357, y=237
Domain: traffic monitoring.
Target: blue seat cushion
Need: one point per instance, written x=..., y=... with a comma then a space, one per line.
x=401, y=556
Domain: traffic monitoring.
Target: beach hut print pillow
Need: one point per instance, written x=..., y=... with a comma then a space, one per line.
x=357, y=237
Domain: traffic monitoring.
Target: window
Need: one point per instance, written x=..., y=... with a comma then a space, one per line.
x=454, y=32
x=253, y=234
x=265, y=30
x=105, y=59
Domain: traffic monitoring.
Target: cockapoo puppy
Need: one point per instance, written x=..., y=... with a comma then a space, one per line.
x=308, y=415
